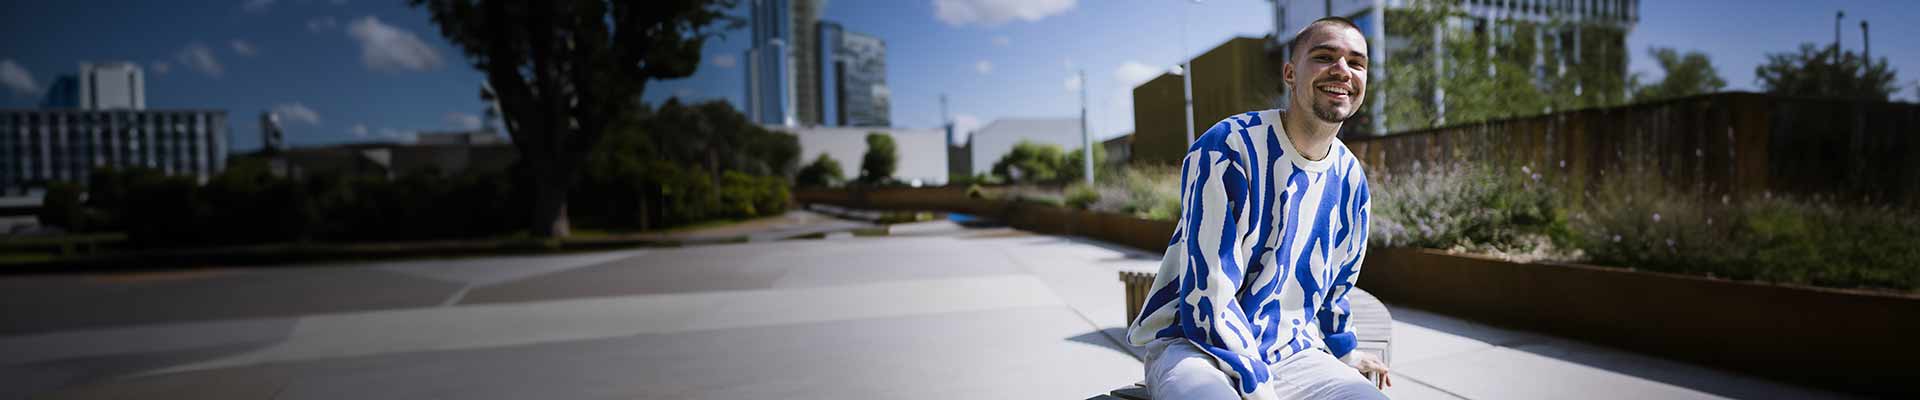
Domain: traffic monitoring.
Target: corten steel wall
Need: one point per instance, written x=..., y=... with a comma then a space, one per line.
x=1728, y=143
x=1846, y=340
x=1235, y=77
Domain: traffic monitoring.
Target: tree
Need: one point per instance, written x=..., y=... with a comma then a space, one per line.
x=881, y=159
x=1457, y=80
x=1031, y=162
x=1826, y=72
x=823, y=172
x=1685, y=75
x=562, y=71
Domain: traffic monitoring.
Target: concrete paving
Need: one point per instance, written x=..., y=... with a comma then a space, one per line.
x=934, y=311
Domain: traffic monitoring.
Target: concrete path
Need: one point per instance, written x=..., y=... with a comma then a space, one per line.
x=933, y=311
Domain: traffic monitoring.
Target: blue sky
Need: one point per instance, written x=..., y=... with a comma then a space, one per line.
x=363, y=70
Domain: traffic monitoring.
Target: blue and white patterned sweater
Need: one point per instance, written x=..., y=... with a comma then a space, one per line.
x=1268, y=245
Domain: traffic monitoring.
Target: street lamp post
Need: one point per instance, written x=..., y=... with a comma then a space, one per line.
x=1186, y=73
x=1086, y=139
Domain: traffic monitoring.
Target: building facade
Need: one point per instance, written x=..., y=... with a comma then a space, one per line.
x=40, y=146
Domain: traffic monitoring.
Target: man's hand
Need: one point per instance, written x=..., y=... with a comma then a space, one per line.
x=1367, y=363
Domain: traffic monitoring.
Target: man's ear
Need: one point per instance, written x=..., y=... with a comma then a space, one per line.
x=1286, y=75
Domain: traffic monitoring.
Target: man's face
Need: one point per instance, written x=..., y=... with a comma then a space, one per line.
x=1330, y=74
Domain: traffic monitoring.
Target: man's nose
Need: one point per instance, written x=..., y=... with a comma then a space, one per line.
x=1341, y=71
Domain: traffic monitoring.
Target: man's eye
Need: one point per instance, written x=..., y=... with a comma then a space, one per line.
x=1322, y=58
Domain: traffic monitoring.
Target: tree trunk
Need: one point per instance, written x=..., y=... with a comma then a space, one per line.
x=550, y=204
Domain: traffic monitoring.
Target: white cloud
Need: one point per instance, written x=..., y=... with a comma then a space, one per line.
x=161, y=67
x=17, y=78
x=1134, y=73
x=1072, y=83
x=984, y=66
x=256, y=5
x=725, y=61
x=200, y=58
x=1001, y=40
x=320, y=24
x=388, y=48
x=358, y=130
x=464, y=121
x=963, y=127
x=241, y=47
x=296, y=112
x=995, y=12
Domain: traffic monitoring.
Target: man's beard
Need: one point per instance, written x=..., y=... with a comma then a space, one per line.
x=1329, y=114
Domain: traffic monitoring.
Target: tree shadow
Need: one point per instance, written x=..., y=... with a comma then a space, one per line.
x=1111, y=339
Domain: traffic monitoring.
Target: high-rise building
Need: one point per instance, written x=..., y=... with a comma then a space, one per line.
x=805, y=60
x=861, y=71
x=782, y=67
x=112, y=86
x=802, y=71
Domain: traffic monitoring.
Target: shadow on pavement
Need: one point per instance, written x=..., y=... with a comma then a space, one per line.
x=1110, y=339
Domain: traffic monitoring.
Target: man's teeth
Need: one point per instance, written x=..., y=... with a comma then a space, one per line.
x=1334, y=90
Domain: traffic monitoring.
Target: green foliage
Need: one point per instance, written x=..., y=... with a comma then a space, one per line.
x=1479, y=86
x=1827, y=72
x=1030, y=162
x=60, y=207
x=878, y=164
x=824, y=171
x=1684, y=75
x=590, y=62
x=671, y=166
x=1038, y=163
x=1082, y=196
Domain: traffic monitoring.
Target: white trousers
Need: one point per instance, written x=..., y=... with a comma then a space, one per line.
x=1176, y=369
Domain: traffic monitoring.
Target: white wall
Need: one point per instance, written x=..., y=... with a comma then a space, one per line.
x=923, y=152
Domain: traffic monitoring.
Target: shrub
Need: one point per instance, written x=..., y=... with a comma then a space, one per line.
x=1082, y=196
x=822, y=172
x=60, y=207
x=877, y=166
x=1478, y=209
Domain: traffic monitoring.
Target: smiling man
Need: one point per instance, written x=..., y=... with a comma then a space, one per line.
x=1251, y=299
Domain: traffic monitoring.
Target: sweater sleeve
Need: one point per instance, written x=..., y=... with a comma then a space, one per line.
x=1335, y=314
x=1214, y=186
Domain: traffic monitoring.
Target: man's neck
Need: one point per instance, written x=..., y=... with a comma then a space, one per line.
x=1311, y=136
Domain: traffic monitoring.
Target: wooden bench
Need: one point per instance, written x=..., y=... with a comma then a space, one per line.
x=1371, y=322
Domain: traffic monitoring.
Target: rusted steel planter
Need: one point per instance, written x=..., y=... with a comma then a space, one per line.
x=1848, y=340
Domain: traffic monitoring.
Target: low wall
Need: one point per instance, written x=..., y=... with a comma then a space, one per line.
x=1845, y=340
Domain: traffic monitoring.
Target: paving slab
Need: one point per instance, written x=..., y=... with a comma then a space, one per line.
x=1002, y=353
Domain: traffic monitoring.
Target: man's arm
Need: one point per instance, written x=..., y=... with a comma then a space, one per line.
x=1214, y=215
x=1336, y=314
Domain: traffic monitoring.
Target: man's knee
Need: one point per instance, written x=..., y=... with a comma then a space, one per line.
x=1185, y=373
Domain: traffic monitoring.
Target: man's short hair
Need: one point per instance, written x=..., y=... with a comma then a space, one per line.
x=1294, y=47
